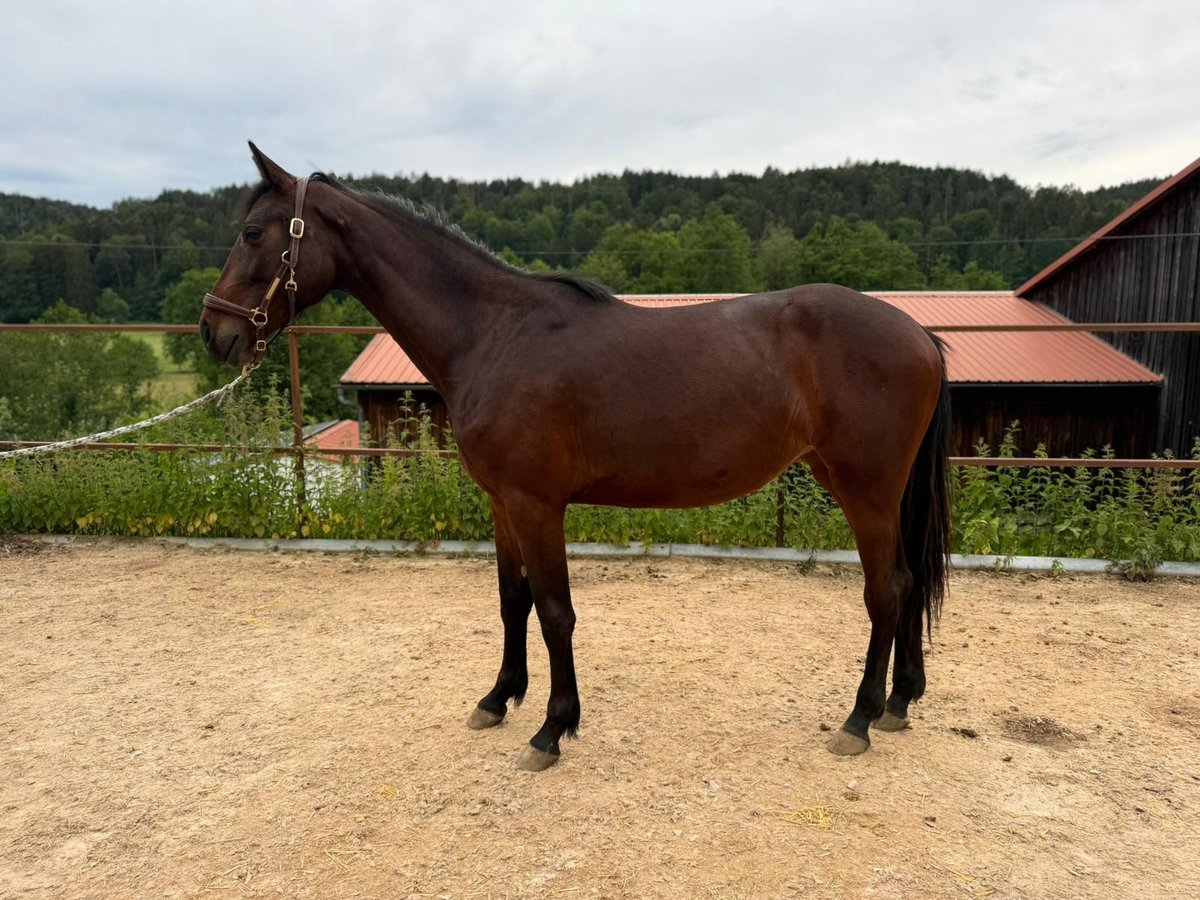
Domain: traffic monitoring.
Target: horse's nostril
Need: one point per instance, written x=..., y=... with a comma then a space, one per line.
x=205, y=333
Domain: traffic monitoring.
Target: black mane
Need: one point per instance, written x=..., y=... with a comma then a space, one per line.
x=429, y=216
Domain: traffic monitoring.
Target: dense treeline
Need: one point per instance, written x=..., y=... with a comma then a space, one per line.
x=116, y=263
x=874, y=226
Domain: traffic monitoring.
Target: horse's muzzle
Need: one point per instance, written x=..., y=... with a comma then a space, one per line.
x=223, y=346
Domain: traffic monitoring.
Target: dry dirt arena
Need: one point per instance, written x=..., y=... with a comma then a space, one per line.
x=185, y=723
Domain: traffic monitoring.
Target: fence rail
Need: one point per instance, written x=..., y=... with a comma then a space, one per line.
x=217, y=448
x=299, y=450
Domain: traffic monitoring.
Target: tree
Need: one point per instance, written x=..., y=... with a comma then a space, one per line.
x=905, y=230
x=182, y=304
x=780, y=258
x=514, y=259
x=630, y=260
x=971, y=278
x=61, y=271
x=588, y=224
x=977, y=230
x=111, y=307
x=115, y=264
x=19, y=301
x=718, y=254
x=858, y=255
x=58, y=385
x=182, y=256
x=606, y=267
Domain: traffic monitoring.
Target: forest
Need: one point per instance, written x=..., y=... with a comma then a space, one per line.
x=869, y=225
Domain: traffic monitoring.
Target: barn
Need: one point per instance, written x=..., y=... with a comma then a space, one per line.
x=1070, y=390
x=1143, y=266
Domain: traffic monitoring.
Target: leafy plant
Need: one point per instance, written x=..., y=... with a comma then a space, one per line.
x=1134, y=517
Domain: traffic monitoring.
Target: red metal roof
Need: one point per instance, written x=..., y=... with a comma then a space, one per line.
x=335, y=436
x=974, y=358
x=1016, y=357
x=1084, y=246
x=661, y=300
x=383, y=362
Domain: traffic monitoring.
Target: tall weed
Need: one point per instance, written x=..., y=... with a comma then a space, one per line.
x=1136, y=518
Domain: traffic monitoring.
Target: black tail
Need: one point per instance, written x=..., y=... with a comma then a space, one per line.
x=925, y=519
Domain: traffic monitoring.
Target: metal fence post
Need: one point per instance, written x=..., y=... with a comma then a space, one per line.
x=780, y=512
x=297, y=422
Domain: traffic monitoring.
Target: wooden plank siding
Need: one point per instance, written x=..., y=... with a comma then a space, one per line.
x=388, y=413
x=1066, y=419
x=1146, y=270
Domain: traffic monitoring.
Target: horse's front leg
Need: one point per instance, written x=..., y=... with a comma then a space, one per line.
x=515, y=603
x=538, y=527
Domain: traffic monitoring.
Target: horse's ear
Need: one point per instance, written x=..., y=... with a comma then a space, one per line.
x=270, y=171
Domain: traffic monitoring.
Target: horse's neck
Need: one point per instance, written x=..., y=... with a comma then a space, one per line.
x=432, y=293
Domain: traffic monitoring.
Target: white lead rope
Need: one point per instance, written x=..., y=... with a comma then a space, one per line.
x=218, y=395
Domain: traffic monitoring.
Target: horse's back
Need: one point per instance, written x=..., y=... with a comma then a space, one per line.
x=813, y=336
x=831, y=315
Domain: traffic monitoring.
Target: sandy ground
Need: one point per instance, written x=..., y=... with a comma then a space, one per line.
x=178, y=723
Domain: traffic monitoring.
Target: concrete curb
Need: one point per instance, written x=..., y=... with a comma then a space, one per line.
x=638, y=549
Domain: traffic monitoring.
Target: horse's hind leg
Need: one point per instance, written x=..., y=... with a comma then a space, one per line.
x=871, y=502
x=908, y=672
x=515, y=603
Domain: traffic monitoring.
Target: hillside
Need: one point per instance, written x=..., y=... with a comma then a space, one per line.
x=118, y=262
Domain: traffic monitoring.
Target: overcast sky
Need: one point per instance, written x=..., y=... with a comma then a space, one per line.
x=101, y=101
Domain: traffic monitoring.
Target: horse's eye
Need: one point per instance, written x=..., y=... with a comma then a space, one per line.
x=252, y=233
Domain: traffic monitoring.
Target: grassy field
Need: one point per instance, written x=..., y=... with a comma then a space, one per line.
x=176, y=383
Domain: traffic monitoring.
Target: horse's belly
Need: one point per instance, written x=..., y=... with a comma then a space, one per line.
x=683, y=486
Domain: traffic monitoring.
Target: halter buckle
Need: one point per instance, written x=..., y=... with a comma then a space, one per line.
x=260, y=346
x=258, y=317
x=296, y=228
x=290, y=284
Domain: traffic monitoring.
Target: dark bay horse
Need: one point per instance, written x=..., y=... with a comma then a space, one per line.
x=559, y=393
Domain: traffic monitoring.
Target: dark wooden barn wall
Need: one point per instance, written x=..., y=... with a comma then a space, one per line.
x=1150, y=274
x=1068, y=420
x=388, y=413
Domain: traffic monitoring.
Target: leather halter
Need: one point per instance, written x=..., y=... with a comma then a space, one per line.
x=258, y=315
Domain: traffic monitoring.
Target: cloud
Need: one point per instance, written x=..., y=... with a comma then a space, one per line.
x=130, y=98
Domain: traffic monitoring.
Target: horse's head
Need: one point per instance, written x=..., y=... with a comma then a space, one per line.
x=279, y=266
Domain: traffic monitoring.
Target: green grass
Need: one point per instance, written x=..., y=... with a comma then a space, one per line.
x=176, y=383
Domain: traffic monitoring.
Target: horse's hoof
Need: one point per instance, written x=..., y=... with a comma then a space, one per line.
x=480, y=719
x=534, y=760
x=889, y=721
x=846, y=744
